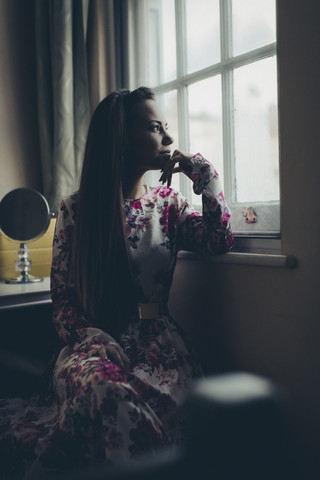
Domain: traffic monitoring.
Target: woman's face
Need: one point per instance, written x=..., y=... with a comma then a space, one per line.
x=149, y=141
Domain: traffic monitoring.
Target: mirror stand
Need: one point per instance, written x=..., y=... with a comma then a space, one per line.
x=23, y=265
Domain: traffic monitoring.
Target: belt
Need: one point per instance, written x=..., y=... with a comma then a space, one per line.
x=151, y=310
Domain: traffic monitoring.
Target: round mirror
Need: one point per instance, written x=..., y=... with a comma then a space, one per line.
x=24, y=216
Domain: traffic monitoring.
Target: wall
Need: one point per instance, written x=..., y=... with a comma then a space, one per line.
x=267, y=320
x=19, y=155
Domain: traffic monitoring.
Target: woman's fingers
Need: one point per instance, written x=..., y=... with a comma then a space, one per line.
x=97, y=349
x=167, y=172
x=113, y=351
x=167, y=175
x=178, y=156
x=123, y=357
x=118, y=356
x=102, y=352
x=162, y=178
x=169, y=169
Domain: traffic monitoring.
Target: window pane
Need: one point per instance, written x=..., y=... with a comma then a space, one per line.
x=203, y=34
x=169, y=105
x=256, y=132
x=205, y=123
x=161, y=42
x=254, y=24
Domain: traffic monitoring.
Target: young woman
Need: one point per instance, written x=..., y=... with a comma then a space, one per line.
x=125, y=368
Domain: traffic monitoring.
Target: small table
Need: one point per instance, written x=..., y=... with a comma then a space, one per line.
x=23, y=295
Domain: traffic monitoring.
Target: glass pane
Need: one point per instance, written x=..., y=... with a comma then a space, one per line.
x=161, y=42
x=254, y=24
x=256, y=132
x=169, y=105
x=203, y=33
x=205, y=123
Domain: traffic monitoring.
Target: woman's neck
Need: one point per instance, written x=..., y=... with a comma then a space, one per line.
x=134, y=188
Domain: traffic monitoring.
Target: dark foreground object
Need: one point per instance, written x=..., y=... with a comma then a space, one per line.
x=235, y=430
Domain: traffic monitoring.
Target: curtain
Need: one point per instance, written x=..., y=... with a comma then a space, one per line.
x=101, y=50
x=77, y=65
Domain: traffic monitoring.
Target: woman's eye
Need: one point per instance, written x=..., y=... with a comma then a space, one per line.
x=155, y=127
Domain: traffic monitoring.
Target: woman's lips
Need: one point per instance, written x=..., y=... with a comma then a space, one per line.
x=166, y=153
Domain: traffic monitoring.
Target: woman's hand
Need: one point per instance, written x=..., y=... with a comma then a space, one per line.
x=113, y=352
x=169, y=169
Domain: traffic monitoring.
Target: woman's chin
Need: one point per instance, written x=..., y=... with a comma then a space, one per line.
x=163, y=160
x=158, y=164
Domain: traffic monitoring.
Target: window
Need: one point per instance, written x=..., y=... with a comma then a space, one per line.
x=213, y=66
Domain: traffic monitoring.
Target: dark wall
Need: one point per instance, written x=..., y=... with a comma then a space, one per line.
x=27, y=343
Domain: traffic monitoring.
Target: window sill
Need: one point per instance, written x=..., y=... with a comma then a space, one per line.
x=241, y=258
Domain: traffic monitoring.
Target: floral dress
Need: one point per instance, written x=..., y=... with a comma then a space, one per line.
x=97, y=410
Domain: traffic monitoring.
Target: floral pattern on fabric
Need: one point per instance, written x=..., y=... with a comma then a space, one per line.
x=97, y=410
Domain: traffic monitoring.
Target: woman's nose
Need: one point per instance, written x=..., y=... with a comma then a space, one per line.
x=167, y=139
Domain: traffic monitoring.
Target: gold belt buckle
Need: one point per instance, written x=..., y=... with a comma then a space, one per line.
x=149, y=310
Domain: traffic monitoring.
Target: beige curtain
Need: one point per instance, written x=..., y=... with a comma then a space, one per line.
x=78, y=47
x=101, y=50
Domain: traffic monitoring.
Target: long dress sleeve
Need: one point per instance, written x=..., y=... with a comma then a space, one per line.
x=68, y=316
x=209, y=232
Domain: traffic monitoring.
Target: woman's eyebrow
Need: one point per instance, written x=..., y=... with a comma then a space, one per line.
x=159, y=123
x=155, y=121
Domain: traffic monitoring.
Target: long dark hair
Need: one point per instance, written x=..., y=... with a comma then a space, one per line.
x=100, y=264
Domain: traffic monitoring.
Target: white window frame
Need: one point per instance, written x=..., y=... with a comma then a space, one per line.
x=224, y=67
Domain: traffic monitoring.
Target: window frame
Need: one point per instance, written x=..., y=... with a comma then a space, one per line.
x=225, y=68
